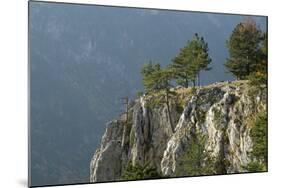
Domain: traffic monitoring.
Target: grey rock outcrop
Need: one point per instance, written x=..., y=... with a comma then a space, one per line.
x=217, y=112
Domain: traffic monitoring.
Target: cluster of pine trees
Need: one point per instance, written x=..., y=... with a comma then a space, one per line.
x=185, y=67
x=247, y=47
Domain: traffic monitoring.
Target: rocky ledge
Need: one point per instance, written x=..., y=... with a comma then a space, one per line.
x=213, y=118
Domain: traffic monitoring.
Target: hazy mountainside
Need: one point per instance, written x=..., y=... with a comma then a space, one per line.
x=215, y=117
x=84, y=58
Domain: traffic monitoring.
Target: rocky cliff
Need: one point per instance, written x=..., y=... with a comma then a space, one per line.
x=214, y=117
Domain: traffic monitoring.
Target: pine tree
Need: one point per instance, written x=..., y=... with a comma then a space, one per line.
x=258, y=77
x=149, y=72
x=156, y=79
x=182, y=67
x=190, y=61
x=202, y=59
x=244, y=47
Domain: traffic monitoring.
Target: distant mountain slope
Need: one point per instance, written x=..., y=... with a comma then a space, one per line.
x=84, y=58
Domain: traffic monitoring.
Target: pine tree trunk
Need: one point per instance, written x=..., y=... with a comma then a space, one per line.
x=248, y=66
x=169, y=113
x=186, y=81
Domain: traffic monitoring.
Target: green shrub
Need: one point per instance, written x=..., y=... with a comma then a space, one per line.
x=255, y=167
x=196, y=160
x=140, y=172
x=258, y=79
x=258, y=135
x=179, y=108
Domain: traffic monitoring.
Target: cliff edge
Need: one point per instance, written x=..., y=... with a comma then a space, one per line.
x=203, y=130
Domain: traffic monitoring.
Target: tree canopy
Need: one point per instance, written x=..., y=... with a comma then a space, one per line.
x=191, y=59
x=155, y=78
x=244, y=46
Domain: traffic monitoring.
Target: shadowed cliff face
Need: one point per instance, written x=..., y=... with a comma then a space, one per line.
x=216, y=116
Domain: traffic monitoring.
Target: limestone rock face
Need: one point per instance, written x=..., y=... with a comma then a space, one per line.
x=106, y=163
x=148, y=134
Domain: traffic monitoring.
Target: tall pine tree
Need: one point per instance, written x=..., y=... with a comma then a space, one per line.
x=244, y=49
x=190, y=61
